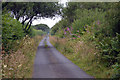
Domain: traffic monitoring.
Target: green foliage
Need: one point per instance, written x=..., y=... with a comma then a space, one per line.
x=58, y=26
x=110, y=50
x=33, y=32
x=113, y=17
x=31, y=11
x=11, y=30
x=54, y=30
x=42, y=27
x=88, y=17
x=116, y=69
x=97, y=23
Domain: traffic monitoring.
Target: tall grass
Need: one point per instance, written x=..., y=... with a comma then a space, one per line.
x=82, y=54
x=19, y=64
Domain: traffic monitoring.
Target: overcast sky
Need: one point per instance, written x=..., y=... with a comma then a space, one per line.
x=50, y=22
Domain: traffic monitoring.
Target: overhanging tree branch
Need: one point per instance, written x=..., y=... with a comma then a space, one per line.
x=28, y=22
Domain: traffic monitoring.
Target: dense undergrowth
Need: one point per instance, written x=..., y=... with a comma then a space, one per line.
x=19, y=63
x=12, y=30
x=85, y=55
x=18, y=48
x=97, y=27
x=20, y=38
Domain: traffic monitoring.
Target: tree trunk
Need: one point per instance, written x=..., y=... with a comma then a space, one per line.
x=24, y=21
x=29, y=22
x=29, y=26
x=18, y=17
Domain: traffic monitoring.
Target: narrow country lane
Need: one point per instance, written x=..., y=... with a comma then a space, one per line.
x=49, y=63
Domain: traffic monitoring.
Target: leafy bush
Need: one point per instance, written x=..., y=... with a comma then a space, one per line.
x=113, y=17
x=93, y=22
x=110, y=50
x=116, y=69
x=87, y=17
x=58, y=26
x=11, y=30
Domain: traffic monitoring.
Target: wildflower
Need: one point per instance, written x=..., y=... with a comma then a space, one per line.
x=87, y=31
x=26, y=35
x=77, y=30
x=68, y=29
x=79, y=36
x=84, y=26
x=70, y=32
x=94, y=53
x=5, y=66
x=98, y=22
x=10, y=68
x=71, y=28
x=64, y=31
x=20, y=65
x=75, y=34
x=73, y=38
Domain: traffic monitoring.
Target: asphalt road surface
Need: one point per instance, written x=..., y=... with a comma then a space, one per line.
x=49, y=63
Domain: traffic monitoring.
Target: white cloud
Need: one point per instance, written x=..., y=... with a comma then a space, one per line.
x=63, y=2
x=48, y=21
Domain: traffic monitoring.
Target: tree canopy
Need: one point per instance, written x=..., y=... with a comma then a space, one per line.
x=42, y=27
x=27, y=11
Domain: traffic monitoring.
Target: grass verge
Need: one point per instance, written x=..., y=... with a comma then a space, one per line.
x=83, y=54
x=19, y=64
